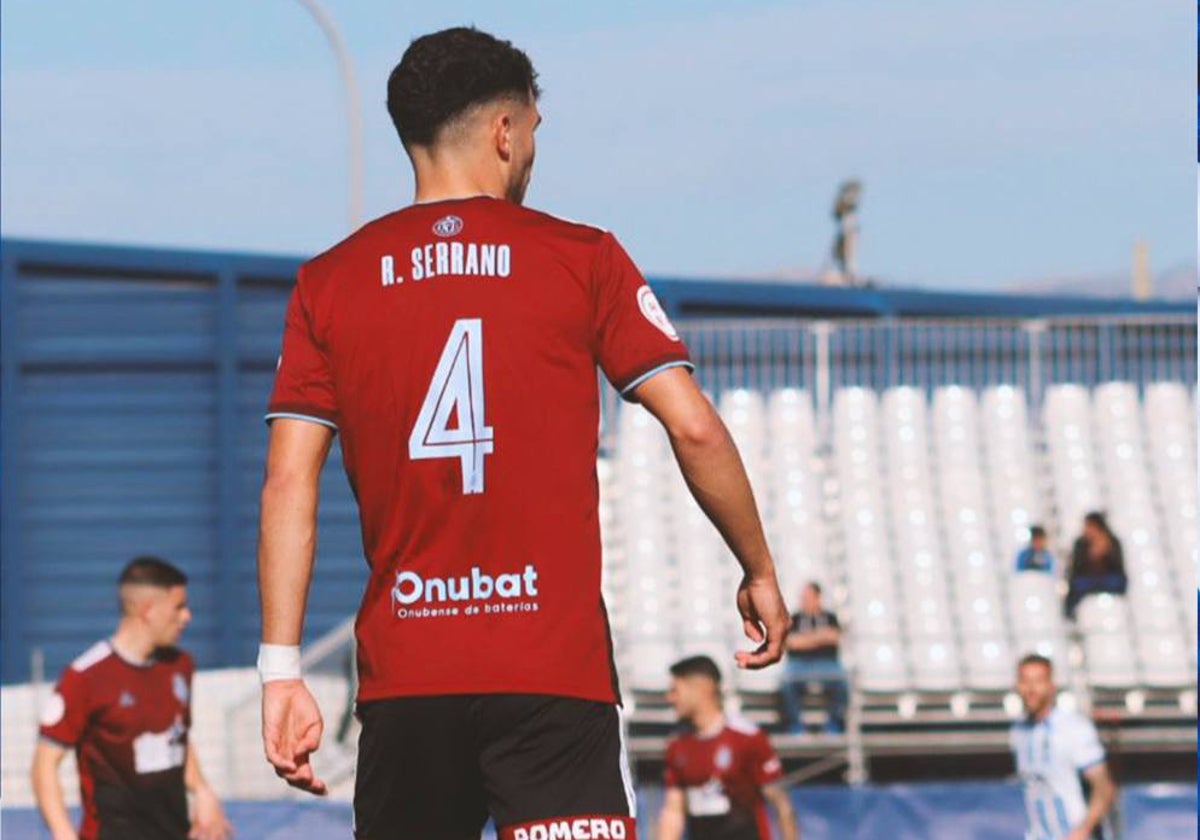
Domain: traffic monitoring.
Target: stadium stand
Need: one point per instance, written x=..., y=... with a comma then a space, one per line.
x=898, y=461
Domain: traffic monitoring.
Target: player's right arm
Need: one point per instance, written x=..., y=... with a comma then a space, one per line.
x=292, y=724
x=673, y=819
x=47, y=789
x=717, y=479
x=63, y=723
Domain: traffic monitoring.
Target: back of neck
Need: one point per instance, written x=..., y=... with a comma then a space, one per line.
x=131, y=644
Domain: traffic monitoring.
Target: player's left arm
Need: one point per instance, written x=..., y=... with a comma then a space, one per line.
x=785, y=814
x=1104, y=793
x=208, y=817
x=768, y=775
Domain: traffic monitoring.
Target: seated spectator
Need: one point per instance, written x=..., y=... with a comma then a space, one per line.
x=812, y=656
x=1036, y=557
x=1097, y=563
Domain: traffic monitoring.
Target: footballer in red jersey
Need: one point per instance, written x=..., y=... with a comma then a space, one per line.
x=124, y=708
x=452, y=346
x=721, y=772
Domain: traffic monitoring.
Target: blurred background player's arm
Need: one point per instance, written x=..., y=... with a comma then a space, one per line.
x=208, y=817
x=673, y=819
x=717, y=479
x=47, y=789
x=1100, y=802
x=785, y=814
x=800, y=640
x=287, y=543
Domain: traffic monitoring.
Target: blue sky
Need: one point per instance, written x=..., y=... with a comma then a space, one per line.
x=998, y=143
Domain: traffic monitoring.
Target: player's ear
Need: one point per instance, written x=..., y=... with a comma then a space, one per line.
x=502, y=129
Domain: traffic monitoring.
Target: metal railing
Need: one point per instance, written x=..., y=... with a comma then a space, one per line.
x=823, y=356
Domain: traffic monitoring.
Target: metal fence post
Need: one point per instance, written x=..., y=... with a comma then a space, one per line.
x=1035, y=383
x=822, y=332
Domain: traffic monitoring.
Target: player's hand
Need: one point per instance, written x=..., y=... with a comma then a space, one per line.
x=1079, y=833
x=292, y=729
x=765, y=620
x=64, y=834
x=208, y=817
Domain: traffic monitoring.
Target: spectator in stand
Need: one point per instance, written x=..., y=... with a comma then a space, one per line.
x=1036, y=556
x=1097, y=563
x=812, y=656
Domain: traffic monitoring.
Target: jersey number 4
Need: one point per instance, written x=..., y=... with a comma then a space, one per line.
x=451, y=423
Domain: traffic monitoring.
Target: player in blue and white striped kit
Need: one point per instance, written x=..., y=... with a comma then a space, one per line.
x=1056, y=750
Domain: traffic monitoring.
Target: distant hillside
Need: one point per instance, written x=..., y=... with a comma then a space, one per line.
x=1177, y=283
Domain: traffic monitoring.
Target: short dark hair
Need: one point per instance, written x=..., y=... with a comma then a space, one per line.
x=443, y=74
x=1097, y=518
x=816, y=587
x=1036, y=659
x=697, y=666
x=1036, y=531
x=151, y=571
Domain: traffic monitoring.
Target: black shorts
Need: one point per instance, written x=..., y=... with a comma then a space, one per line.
x=544, y=768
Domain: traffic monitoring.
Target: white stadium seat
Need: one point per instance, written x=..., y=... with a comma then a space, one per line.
x=1036, y=608
x=879, y=666
x=794, y=510
x=935, y=665
x=1009, y=465
x=1067, y=421
x=1165, y=661
x=987, y=663
x=1108, y=642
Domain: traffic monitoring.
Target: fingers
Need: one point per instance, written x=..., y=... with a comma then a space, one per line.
x=310, y=739
x=303, y=778
x=753, y=660
x=281, y=762
x=768, y=652
x=753, y=632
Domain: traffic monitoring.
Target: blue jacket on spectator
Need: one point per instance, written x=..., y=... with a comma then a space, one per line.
x=1030, y=559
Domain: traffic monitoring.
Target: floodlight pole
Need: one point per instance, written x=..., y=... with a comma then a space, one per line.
x=353, y=105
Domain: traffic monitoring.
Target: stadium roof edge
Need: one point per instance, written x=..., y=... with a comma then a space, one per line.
x=681, y=297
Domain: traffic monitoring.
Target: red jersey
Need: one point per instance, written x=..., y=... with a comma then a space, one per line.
x=454, y=347
x=128, y=724
x=722, y=777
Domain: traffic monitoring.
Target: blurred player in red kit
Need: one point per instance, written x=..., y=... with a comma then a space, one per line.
x=124, y=707
x=452, y=346
x=722, y=771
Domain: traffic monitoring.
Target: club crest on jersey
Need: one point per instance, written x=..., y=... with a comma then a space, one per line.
x=448, y=226
x=126, y=700
x=723, y=758
x=180, y=687
x=654, y=313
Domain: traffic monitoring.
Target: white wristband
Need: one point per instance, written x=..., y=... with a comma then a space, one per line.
x=278, y=662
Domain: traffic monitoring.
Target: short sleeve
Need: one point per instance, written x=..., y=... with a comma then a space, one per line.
x=831, y=620
x=670, y=776
x=634, y=338
x=1086, y=749
x=65, y=713
x=304, y=379
x=766, y=764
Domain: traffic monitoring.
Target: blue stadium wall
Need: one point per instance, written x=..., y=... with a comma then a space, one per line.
x=132, y=387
